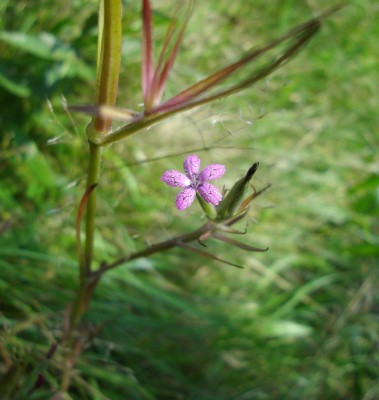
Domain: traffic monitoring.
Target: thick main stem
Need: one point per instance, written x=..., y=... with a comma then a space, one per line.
x=92, y=178
x=79, y=306
x=108, y=67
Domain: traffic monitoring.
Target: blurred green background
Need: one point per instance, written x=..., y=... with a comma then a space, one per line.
x=299, y=321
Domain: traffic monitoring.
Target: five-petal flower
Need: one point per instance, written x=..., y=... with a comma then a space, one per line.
x=193, y=181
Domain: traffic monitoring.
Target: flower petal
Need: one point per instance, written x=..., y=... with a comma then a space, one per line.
x=185, y=198
x=175, y=179
x=211, y=172
x=191, y=165
x=209, y=193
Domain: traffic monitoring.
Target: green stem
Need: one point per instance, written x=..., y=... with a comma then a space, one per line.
x=92, y=178
x=109, y=58
x=108, y=67
x=77, y=307
x=157, y=248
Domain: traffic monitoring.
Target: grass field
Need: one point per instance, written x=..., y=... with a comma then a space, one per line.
x=300, y=321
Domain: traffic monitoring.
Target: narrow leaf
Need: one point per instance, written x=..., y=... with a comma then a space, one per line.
x=226, y=228
x=236, y=218
x=43, y=45
x=190, y=97
x=205, y=254
x=17, y=88
x=250, y=198
x=238, y=244
x=162, y=72
x=147, y=50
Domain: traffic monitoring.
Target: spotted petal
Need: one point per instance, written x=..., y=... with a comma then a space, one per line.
x=211, y=172
x=175, y=179
x=210, y=193
x=191, y=165
x=185, y=198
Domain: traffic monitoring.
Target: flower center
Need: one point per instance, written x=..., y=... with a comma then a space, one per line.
x=195, y=181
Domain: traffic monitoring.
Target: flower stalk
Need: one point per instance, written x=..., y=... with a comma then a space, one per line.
x=215, y=227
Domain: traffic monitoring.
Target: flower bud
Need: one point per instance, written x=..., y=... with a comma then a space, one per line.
x=233, y=199
x=208, y=208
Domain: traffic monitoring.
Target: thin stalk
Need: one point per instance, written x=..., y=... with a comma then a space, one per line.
x=157, y=248
x=206, y=229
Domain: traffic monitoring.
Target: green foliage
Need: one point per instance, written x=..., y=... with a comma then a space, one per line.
x=300, y=321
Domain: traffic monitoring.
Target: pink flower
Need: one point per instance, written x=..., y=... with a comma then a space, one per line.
x=193, y=181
